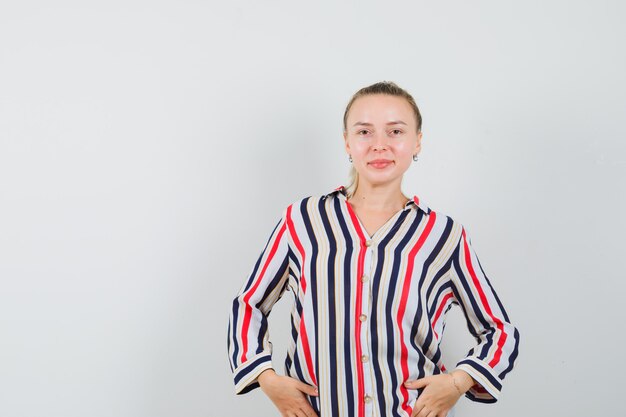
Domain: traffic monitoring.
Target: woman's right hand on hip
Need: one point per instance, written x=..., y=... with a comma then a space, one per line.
x=288, y=394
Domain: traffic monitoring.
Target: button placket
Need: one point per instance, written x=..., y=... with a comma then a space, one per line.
x=364, y=322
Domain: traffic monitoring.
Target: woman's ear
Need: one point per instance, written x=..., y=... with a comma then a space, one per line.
x=418, y=144
x=345, y=142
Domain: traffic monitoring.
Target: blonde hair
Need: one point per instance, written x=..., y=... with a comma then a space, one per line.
x=384, y=87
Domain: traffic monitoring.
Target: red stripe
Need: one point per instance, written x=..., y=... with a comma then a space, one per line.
x=359, y=301
x=306, y=350
x=303, y=333
x=401, y=309
x=483, y=298
x=439, y=311
x=246, y=299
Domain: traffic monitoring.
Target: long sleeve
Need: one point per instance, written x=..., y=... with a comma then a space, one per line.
x=494, y=356
x=249, y=348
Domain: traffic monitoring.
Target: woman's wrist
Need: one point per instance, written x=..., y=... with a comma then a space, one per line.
x=462, y=381
x=267, y=373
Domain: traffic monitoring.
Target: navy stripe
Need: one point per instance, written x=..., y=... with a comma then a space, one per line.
x=495, y=295
x=274, y=281
x=255, y=270
x=312, y=278
x=332, y=316
x=251, y=367
x=347, y=285
x=466, y=287
x=487, y=374
x=234, y=312
x=513, y=356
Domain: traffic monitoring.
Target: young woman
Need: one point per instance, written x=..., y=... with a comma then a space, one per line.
x=373, y=273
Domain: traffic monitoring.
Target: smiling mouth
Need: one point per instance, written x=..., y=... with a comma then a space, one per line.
x=380, y=164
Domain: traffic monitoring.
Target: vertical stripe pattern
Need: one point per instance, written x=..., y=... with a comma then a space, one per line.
x=369, y=311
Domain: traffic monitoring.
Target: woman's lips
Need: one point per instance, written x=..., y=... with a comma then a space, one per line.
x=380, y=163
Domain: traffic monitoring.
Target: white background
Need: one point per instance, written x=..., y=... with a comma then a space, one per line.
x=148, y=148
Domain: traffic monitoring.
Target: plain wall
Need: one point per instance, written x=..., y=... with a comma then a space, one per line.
x=148, y=148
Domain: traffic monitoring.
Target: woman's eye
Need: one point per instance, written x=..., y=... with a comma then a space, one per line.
x=396, y=131
x=362, y=132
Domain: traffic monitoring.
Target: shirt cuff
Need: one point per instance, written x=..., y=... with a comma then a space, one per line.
x=247, y=373
x=488, y=386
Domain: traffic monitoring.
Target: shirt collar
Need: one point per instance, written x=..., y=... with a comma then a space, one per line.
x=414, y=202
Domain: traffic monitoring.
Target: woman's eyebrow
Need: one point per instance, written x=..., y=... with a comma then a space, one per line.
x=393, y=122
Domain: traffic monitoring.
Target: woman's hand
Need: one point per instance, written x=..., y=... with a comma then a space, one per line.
x=440, y=393
x=287, y=394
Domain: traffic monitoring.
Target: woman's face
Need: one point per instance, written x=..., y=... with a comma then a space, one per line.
x=381, y=136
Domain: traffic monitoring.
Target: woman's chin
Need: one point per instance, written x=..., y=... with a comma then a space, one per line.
x=379, y=180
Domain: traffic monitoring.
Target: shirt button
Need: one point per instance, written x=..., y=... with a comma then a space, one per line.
x=368, y=243
x=365, y=358
x=364, y=278
x=362, y=317
x=367, y=399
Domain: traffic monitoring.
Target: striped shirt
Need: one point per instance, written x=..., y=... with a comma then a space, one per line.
x=369, y=311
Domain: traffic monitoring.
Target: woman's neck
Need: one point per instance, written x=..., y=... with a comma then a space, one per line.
x=378, y=198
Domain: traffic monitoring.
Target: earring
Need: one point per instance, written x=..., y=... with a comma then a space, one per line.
x=415, y=157
x=350, y=158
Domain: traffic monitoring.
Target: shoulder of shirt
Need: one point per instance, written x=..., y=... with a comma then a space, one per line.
x=340, y=193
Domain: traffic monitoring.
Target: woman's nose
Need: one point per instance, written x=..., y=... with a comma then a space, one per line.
x=380, y=140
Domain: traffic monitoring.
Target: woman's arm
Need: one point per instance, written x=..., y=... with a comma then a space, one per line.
x=497, y=338
x=249, y=348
